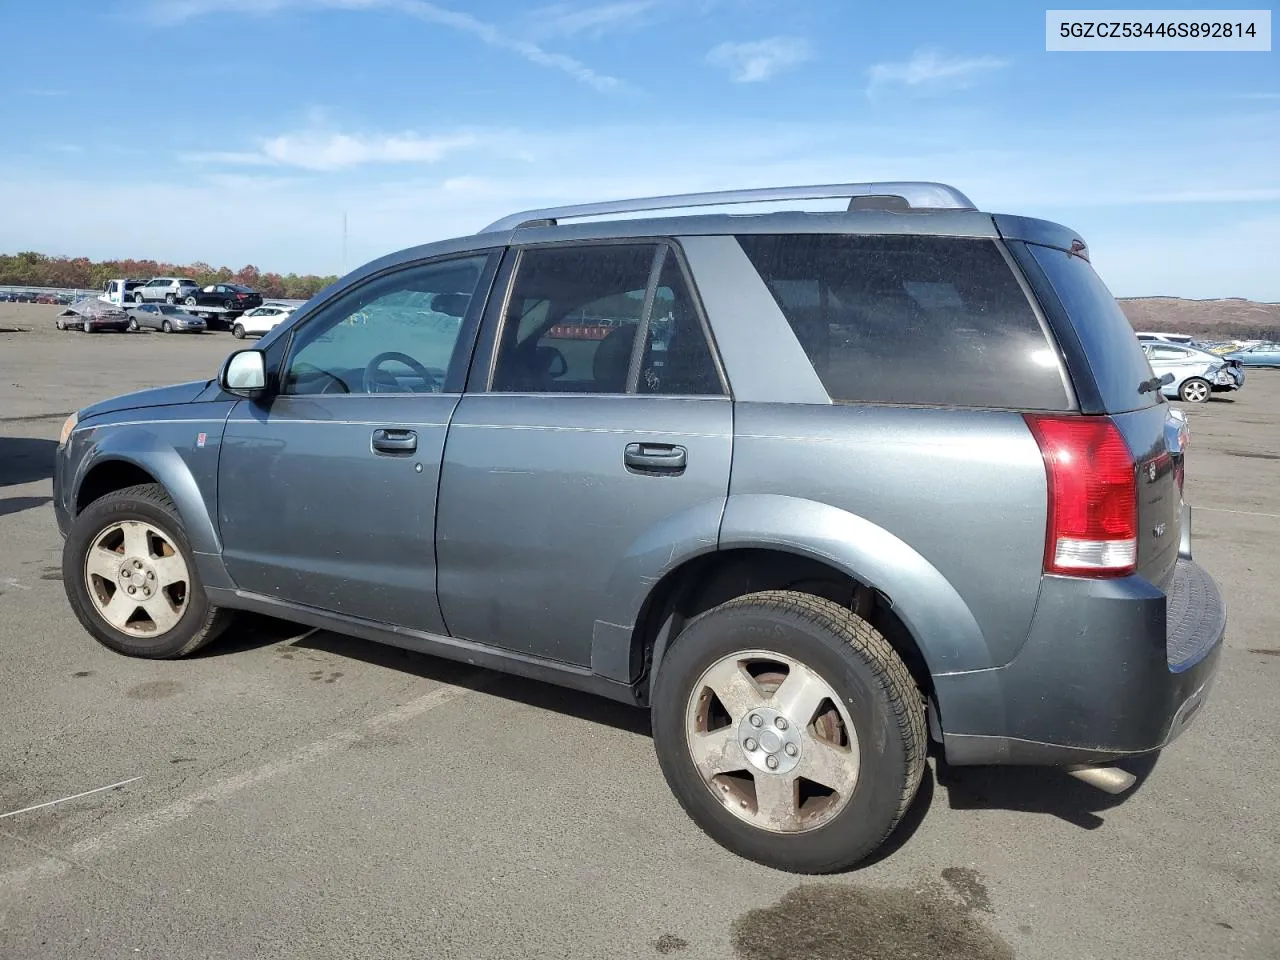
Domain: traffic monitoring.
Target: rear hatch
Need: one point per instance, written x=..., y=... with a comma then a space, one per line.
x=1128, y=393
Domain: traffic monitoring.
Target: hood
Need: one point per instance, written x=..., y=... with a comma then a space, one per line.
x=155, y=397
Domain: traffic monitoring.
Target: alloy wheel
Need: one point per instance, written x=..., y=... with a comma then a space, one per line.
x=137, y=579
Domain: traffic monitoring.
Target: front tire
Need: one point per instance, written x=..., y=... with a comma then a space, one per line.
x=190, y=301
x=137, y=298
x=789, y=730
x=238, y=331
x=1195, y=390
x=87, y=327
x=133, y=324
x=166, y=326
x=169, y=298
x=129, y=575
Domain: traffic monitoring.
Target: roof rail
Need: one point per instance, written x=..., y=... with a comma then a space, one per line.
x=907, y=195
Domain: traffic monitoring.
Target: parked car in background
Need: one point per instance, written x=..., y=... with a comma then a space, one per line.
x=166, y=318
x=1196, y=374
x=166, y=289
x=260, y=320
x=1258, y=355
x=47, y=298
x=927, y=492
x=1184, y=338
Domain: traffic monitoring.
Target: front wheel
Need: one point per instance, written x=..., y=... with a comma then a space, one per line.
x=129, y=576
x=87, y=327
x=166, y=327
x=190, y=301
x=789, y=730
x=170, y=298
x=133, y=324
x=137, y=298
x=1195, y=390
x=238, y=331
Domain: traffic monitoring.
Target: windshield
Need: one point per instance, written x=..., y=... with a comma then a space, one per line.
x=1115, y=353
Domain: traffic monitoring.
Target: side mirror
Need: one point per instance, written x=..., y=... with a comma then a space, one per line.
x=245, y=374
x=1166, y=379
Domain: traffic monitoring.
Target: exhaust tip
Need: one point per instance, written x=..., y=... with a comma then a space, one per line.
x=1111, y=780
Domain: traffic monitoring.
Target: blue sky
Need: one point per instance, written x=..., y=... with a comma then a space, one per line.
x=241, y=131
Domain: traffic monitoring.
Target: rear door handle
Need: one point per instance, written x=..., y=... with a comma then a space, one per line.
x=655, y=457
x=395, y=441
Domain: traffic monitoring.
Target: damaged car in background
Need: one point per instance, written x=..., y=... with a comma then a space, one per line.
x=1197, y=374
x=92, y=315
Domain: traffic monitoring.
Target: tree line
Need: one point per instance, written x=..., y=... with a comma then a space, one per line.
x=33, y=269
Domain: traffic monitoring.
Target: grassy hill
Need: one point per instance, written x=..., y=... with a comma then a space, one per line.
x=1226, y=319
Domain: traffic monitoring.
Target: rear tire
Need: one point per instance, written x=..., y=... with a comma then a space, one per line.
x=190, y=301
x=170, y=298
x=133, y=324
x=1195, y=390
x=238, y=331
x=140, y=515
x=137, y=298
x=836, y=804
x=60, y=324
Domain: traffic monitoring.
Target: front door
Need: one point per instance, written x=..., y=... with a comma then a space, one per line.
x=327, y=490
x=600, y=435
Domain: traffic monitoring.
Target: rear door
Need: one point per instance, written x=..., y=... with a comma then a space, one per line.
x=595, y=428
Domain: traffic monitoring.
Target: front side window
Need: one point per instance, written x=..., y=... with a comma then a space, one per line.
x=395, y=334
x=574, y=318
x=911, y=319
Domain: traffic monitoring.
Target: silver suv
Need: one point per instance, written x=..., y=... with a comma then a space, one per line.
x=166, y=289
x=817, y=489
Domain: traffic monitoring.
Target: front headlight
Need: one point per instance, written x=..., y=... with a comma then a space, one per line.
x=67, y=427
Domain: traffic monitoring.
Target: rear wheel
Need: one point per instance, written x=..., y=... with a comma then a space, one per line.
x=238, y=331
x=137, y=298
x=170, y=298
x=133, y=324
x=790, y=731
x=1195, y=390
x=129, y=576
x=60, y=324
x=190, y=301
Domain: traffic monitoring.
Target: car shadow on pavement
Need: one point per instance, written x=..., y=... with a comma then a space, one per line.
x=1047, y=790
x=25, y=459
x=18, y=504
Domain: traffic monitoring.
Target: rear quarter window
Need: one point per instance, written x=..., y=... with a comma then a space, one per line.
x=919, y=320
x=1116, y=359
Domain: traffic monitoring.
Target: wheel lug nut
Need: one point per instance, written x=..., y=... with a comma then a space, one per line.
x=771, y=762
x=150, y=575
x=137, y=564
x=131, y=590
x=781, y=723
x=791, y=749
x=749, y=744
x=756, y=721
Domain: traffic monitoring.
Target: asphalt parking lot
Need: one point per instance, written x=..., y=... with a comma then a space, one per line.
x=295, y=794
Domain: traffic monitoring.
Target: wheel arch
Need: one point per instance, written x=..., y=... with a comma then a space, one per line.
x=778, y=542
x=132, y=456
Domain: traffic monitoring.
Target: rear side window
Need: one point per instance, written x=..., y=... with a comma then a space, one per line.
x=911, y=319
x=1115, y=356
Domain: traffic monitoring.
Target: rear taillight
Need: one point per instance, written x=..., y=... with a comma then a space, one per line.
x=1093, y=496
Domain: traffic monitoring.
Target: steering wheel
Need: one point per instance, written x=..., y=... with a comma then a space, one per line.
x=371, y=384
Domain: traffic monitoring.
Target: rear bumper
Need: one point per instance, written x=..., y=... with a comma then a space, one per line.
x=1110, y=669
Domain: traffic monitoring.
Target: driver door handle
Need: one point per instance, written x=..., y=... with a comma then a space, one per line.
x=387, y=440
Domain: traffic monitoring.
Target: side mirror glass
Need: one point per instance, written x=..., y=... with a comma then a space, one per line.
x=1166, y=379
x=245, y=373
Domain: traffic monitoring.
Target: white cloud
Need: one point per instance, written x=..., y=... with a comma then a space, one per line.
x=321, y=151
x=756, y=60
x=169, y=12
x=929, y=69
x=573, y=19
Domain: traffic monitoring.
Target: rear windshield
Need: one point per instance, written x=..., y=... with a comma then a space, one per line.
x=1115, y=355
x=911, y=319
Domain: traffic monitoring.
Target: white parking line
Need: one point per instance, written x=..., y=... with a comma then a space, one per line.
x=1245, y=513
x=199, y=801
x=74, y=796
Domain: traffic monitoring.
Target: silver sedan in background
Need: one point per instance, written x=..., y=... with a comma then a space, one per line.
x=1197, y=374
x=165, y=318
